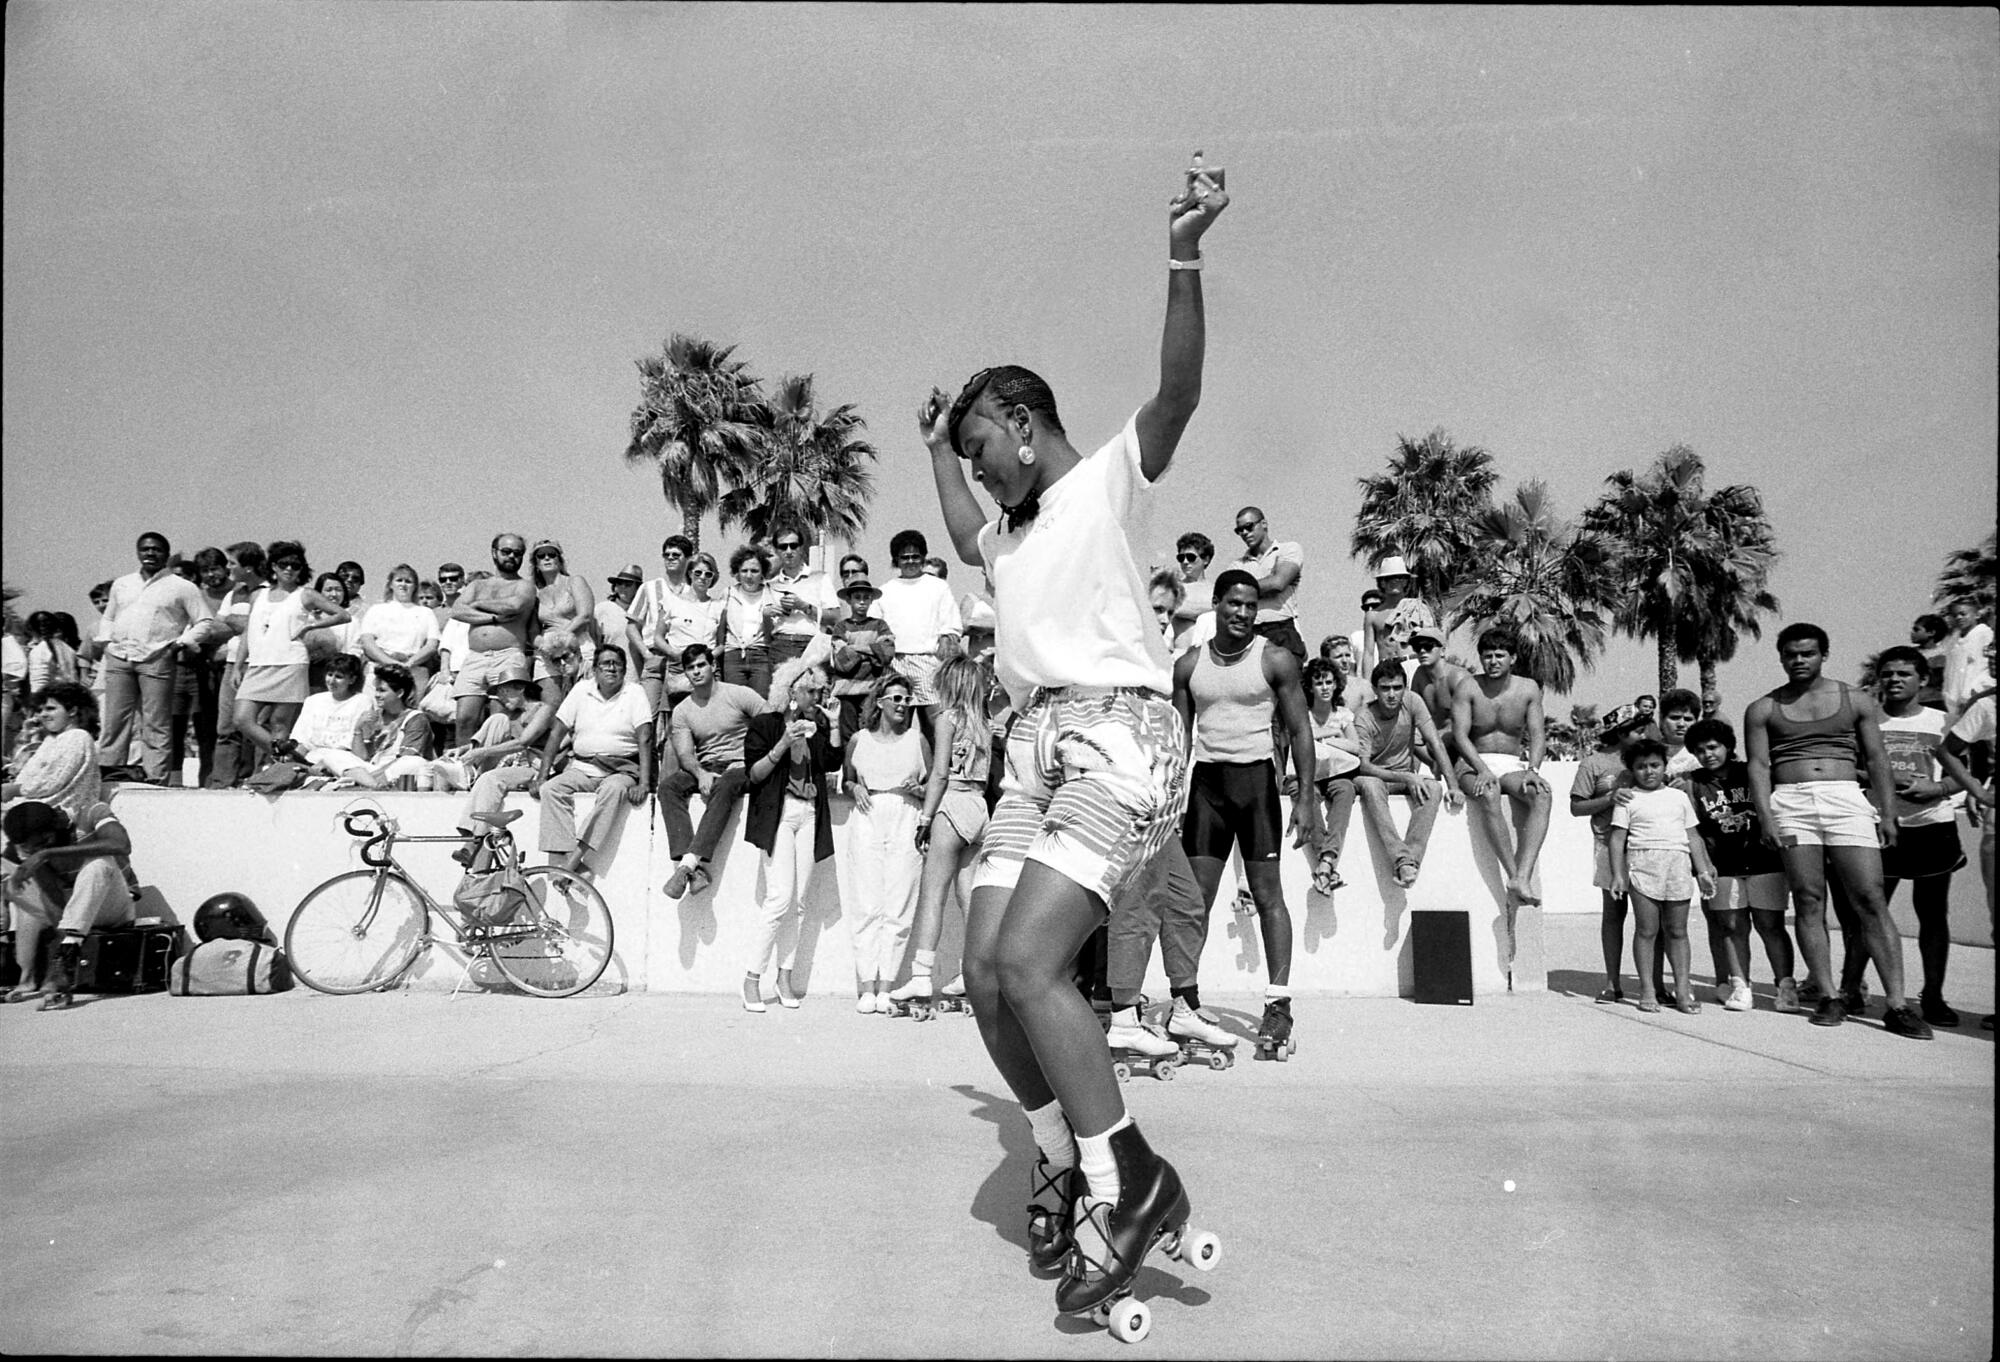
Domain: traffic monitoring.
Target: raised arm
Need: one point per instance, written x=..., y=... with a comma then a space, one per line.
x=1184, y=339
x=962, y=517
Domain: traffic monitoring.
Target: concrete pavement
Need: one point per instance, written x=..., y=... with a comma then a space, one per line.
x=418, y=1174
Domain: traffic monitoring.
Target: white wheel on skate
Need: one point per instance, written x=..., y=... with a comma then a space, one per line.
x=1200, y=1251
x=1122, y=1071
x=1164, y=1070
x=1130, y=1320
x=1221, y=1059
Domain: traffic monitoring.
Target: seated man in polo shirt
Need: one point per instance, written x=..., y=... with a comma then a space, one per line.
x=609, y=728
x=66, y=876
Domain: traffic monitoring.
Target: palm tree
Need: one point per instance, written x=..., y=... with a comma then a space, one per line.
x=1543, y=579
x=1696, y=564
x=1423, y=508
x=809, y=471
x=1968, y=576
x=697, y=421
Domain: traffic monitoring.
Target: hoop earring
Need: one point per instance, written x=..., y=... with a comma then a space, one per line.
x=1026, y=453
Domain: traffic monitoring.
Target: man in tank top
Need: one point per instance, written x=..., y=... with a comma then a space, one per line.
x=1805, y=743
x=1228, y=691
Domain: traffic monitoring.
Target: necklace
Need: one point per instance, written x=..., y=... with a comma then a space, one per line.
x=1221, y=656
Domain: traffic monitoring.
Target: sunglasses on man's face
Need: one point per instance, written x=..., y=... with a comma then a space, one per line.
x=1188, y=557
x=787, y=548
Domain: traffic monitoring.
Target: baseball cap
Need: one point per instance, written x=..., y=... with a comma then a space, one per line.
x=1425, y=631
x=1621, y=716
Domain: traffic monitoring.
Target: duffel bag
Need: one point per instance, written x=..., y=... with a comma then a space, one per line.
x=229, y=968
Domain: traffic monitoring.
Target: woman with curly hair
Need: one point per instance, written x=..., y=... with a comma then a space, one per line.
x=567, y=608
x=750, y=612
x=62, y=772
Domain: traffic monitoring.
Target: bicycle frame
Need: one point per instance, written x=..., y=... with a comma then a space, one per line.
x=466, y=934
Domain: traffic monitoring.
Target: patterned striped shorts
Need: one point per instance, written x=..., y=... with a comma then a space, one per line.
x=1096, y=782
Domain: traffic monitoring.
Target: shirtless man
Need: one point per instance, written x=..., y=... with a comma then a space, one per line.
x=1435, y=680
x=1496, y=724
x=1805, y=743
x=500, y=612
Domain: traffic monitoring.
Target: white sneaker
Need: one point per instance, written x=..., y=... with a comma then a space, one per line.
x=1191, y=1024
x=918, y=987
x=1740, y=998
x=866, y=1003
x=1138, y=1038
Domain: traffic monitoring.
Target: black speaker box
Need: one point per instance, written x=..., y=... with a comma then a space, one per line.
x=1441, y=953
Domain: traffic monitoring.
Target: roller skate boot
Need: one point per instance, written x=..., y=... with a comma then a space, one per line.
x=1200, y=1039
x=1112, y=1239
x=1274, y=1032
x=64, y=962
x=1052, y=1194
x=1138, y=1048
x=913, y=999
x=951, y=998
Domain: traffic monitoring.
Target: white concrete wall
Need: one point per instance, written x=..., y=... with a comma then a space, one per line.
x=189, y=844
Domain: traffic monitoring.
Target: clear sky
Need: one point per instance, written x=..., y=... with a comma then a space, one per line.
x=374, y=276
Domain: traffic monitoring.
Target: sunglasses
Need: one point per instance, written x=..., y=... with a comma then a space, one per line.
x=785, y=548
x=702, y=572
x=1250, y=528
x=1188, y=557
x=673, y=553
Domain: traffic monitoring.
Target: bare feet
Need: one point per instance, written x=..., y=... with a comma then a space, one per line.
x=1648, y=1003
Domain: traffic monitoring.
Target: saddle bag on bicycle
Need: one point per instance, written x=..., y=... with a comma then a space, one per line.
x=490, y=894
x=227, y=967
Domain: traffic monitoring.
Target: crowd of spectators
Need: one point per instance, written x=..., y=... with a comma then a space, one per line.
x=789, y=684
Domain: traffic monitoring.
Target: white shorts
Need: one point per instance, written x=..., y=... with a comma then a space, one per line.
x=1762, y=893
x=1832, y=813
x=922, y=670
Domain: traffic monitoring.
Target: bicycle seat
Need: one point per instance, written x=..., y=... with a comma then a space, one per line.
x=500, y=819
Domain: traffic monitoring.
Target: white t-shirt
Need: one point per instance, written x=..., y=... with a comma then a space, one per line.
x=1965, y=668
x=1913, y=742
x=398, y=628
x=454, y=642
x=326, y=722
x=917, y=610
x=604, y=728
x=1262, y=565
x=1656, y=820
x=1976, y=724
x=814, y=595
x=1681, y=763
x=1074, y=609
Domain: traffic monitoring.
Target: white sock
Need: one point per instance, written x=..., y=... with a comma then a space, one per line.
x=1274, y=991
x=1052, y=1135
x=923, y=963
x=1100, y=1169
x=690, y=861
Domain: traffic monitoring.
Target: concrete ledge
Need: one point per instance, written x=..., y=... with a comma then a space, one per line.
x=189, y=844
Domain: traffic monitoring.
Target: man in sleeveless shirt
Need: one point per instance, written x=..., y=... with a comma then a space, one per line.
x=1228, y=691
x=1805, y=743
x=499, y=611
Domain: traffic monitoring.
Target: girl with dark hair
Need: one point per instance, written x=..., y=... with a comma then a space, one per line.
x=63, y=770
x=274, y=683
x=750, y=612
x=1096, y=769
x=52, y=658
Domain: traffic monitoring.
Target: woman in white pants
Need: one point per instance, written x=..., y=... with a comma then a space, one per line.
x=790, y=750
x=888, y=770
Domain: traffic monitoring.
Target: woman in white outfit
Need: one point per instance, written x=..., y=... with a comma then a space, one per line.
x=273, y=683
x=790, y=751
x=888, y=772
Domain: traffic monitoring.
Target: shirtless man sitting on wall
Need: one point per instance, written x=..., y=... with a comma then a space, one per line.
x=500, y=610
x=1496, y=725
x=1435, y=680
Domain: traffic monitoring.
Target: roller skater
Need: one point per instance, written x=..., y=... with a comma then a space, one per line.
x=1137, y=1047
x=1096, y=764
x=1113, y=1238
x=1200, y=1039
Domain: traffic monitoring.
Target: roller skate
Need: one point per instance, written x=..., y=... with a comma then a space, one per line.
x=951, y=998
x=1138, y=1048
x=913, y=999
x=64, y=962
x=1113, y=1239
x=1200, y=1039
x=1052, y=1194
x=1274, y=1033
x=1245, y=904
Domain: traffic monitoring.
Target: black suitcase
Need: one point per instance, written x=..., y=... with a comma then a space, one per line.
x=128, y=959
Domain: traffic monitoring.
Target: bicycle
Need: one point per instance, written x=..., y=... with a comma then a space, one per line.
x=362, y=929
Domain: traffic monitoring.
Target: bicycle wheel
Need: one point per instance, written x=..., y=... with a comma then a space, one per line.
x=356, y=932
x=562, y=940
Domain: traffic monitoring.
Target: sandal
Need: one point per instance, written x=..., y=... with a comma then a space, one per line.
x=1326, y=878
x=1688, y=1006
x=1611, y=995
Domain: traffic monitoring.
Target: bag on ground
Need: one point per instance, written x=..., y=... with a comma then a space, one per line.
x=227, y=967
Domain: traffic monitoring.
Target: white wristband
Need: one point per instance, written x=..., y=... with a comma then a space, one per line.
x=1194, y=264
